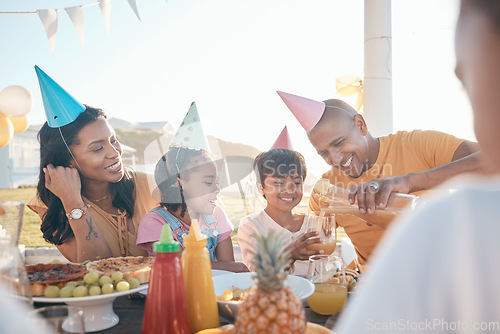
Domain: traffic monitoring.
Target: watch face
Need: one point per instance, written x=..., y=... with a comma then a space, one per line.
x=76, y=214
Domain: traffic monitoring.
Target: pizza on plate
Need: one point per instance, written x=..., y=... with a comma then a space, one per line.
x=137, y=267
x=42, y=275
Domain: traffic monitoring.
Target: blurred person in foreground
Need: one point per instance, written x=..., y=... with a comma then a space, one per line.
x=450, y=284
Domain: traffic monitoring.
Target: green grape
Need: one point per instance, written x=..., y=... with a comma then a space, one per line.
x=105, y=279
x=66, y=292
x=95, y=290
x=80, y=291
x=117, y=276
x=134, y=283
x=80, y=282
x=51, y=291
x=107, y=288
x=122, y=286
x=72, y=284
x=91, y=277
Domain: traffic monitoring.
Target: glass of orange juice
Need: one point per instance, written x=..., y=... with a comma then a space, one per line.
x=324, y=224
x=327, y=274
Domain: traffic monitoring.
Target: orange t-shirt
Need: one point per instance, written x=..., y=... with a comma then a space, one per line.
x=400, y=153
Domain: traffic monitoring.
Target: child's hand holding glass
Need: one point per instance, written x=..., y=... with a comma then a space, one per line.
x=324, y=225
x=299, y=247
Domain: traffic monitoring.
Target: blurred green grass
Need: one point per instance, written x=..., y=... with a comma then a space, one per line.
x=233, y=204
x=31, y=236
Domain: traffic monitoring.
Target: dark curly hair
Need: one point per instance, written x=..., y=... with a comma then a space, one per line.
x=55, y=226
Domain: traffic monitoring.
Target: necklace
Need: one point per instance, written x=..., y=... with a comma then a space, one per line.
x=100, y=199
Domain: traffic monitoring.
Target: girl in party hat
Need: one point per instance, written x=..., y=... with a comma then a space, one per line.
x=89, y=203
x=186, y=177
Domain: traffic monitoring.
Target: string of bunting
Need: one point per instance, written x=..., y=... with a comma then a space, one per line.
x=75, y=13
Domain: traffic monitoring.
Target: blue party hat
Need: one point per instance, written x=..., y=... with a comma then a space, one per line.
x=60, y=107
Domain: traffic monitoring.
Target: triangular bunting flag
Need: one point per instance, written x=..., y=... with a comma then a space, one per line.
x=76, y=16
x=134, y=7
x=105, y=6
x=49, y=21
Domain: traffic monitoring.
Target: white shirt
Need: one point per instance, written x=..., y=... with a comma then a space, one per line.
x=437, y=270
x=260, y=224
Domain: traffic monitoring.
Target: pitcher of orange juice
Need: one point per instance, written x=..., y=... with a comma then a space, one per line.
x=330, y=286
x=333, y=199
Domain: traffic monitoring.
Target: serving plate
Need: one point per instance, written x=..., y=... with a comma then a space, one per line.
x=215, y=272
x=97, y=310
x=301, y=286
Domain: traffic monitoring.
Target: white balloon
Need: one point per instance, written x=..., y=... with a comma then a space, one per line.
x=15, y=101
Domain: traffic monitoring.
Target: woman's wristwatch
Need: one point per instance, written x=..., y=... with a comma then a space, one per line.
x=77, y=213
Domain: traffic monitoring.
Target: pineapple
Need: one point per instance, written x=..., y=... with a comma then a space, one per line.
x=270, y=307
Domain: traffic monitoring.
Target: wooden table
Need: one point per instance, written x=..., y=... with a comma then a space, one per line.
x=130, y=310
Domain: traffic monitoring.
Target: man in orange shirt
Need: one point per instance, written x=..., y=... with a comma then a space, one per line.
x=372, y=168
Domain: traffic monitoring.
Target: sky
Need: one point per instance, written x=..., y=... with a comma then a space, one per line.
x=231, y=56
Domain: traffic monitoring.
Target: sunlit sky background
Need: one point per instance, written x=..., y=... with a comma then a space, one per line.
x=230, y=56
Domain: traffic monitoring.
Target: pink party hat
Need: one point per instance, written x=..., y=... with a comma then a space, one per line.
x=307, y=112
x=283, y=140
x=190, y=133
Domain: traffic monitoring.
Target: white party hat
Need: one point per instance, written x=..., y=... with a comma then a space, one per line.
x=190, y=133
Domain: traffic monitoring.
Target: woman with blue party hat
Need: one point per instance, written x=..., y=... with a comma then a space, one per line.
x=89, y=203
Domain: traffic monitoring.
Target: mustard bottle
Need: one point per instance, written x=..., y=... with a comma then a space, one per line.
x=197, y=273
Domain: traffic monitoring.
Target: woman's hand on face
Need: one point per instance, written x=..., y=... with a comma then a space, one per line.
x=298, y=249
x=64, y=182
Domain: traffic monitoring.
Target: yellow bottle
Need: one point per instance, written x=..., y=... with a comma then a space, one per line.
x=197, y=273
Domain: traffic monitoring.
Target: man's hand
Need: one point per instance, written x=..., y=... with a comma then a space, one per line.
x=298, y=249
x=375, y=193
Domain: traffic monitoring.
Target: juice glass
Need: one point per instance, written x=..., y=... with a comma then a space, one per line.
x=327, y=274
x=324, y=224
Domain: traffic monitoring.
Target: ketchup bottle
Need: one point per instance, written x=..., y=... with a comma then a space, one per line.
x=166, y=310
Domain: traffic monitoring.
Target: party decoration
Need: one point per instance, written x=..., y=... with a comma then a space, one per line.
x=60, y=107
x=190, y=133
x=348, y=85
x=76, y=16
x=49, y=21
x=283, y=140
x=105, y=6
x=20, y=124
x=307, y=112
x=15, y=101
x=134, y=7
x=6, y=130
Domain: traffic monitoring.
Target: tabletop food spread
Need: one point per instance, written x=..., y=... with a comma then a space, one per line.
x=94, y=286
